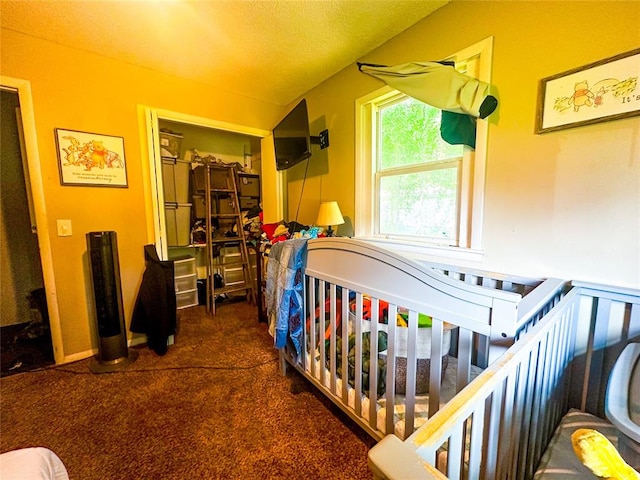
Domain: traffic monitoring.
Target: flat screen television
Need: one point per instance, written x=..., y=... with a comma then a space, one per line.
x=291, y=137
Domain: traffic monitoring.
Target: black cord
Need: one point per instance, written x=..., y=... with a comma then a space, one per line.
x=302, y=189
x=162, y=369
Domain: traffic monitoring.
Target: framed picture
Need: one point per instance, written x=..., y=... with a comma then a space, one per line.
x=598, y=92
x=90, y=159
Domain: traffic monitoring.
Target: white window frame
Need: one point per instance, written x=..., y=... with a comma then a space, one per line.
x=472, y=172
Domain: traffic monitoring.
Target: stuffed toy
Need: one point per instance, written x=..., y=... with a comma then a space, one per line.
x=597, y=453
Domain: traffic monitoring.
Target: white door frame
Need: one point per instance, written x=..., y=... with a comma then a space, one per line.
x=148, y=118
x=23, y=88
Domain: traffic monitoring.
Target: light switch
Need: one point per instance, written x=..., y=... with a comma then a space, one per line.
x=64, y=228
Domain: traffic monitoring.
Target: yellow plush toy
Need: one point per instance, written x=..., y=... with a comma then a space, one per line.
x=597, y=453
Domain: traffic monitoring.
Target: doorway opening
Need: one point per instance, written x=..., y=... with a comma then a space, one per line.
x=170, y=140
x=26, y=342
x=214, y=137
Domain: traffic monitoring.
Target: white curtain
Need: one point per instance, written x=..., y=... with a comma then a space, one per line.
x=437, y=84
x=460, y=97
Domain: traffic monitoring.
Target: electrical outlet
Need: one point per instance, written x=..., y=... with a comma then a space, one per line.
x=64, y=228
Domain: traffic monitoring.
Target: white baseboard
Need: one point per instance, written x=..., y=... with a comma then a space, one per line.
x=132, y=342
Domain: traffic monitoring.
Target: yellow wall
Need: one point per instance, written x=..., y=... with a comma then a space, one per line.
x=73, y=89
x=559, y=204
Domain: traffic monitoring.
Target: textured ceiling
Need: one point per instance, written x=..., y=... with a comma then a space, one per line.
x=271, y=50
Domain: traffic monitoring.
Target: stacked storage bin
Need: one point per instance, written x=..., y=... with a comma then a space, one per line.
x=175, y=178
x=249, y=190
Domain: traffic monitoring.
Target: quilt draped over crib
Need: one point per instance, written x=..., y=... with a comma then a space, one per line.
x=284, y=292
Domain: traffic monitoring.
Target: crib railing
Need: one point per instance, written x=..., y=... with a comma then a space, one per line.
x=609, y=318
x=499, y=425
x=493, y=280
x=391, y=378
x=530, y=309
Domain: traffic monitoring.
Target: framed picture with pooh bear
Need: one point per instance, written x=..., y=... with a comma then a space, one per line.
x=598, y=92
x=90, y=159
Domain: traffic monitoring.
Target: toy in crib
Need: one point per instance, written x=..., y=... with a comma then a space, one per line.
x=327, y=332
x=598, y=454
x=366, y=314
x=366, y=362
x=402, y=319
x=383, y=308
x=402, y=316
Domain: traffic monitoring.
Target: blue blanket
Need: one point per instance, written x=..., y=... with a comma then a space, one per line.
x=284, y=291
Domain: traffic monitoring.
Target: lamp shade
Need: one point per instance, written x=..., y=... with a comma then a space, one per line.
x=329, y=214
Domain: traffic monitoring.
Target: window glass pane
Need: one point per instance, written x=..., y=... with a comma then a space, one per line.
x=410, y=134
x=420, y=204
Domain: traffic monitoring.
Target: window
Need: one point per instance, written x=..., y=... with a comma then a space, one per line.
x=412, y=188
x=416, y=173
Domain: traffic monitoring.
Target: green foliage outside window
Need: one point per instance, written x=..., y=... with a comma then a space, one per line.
x=419, y=195
x=410, y=134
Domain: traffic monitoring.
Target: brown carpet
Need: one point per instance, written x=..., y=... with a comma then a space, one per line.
x=214, y=407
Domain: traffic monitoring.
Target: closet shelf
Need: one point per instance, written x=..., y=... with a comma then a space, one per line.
x=225, y=240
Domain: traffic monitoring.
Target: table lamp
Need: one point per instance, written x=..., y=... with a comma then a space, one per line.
x=329, y=214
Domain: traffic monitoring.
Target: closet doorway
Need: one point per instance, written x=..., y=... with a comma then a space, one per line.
x=228, y=141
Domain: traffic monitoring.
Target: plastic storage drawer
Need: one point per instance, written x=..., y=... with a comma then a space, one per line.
x=231, y=258
x=187, y=299
x=233, y=276
x=183, y=284
x=230, y=250
x=184, y=266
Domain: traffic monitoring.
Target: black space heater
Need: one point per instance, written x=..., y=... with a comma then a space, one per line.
x=113, y=354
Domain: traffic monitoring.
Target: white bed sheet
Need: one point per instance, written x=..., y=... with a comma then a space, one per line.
x=36, y=463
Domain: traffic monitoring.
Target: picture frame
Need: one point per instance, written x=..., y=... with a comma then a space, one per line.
x=90, y=159
x=598, y=92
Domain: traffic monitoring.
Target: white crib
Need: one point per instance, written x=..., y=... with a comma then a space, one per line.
x=475, y=316
x=500, y=425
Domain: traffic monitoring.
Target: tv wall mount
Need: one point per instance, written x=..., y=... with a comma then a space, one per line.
x=322, y=139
